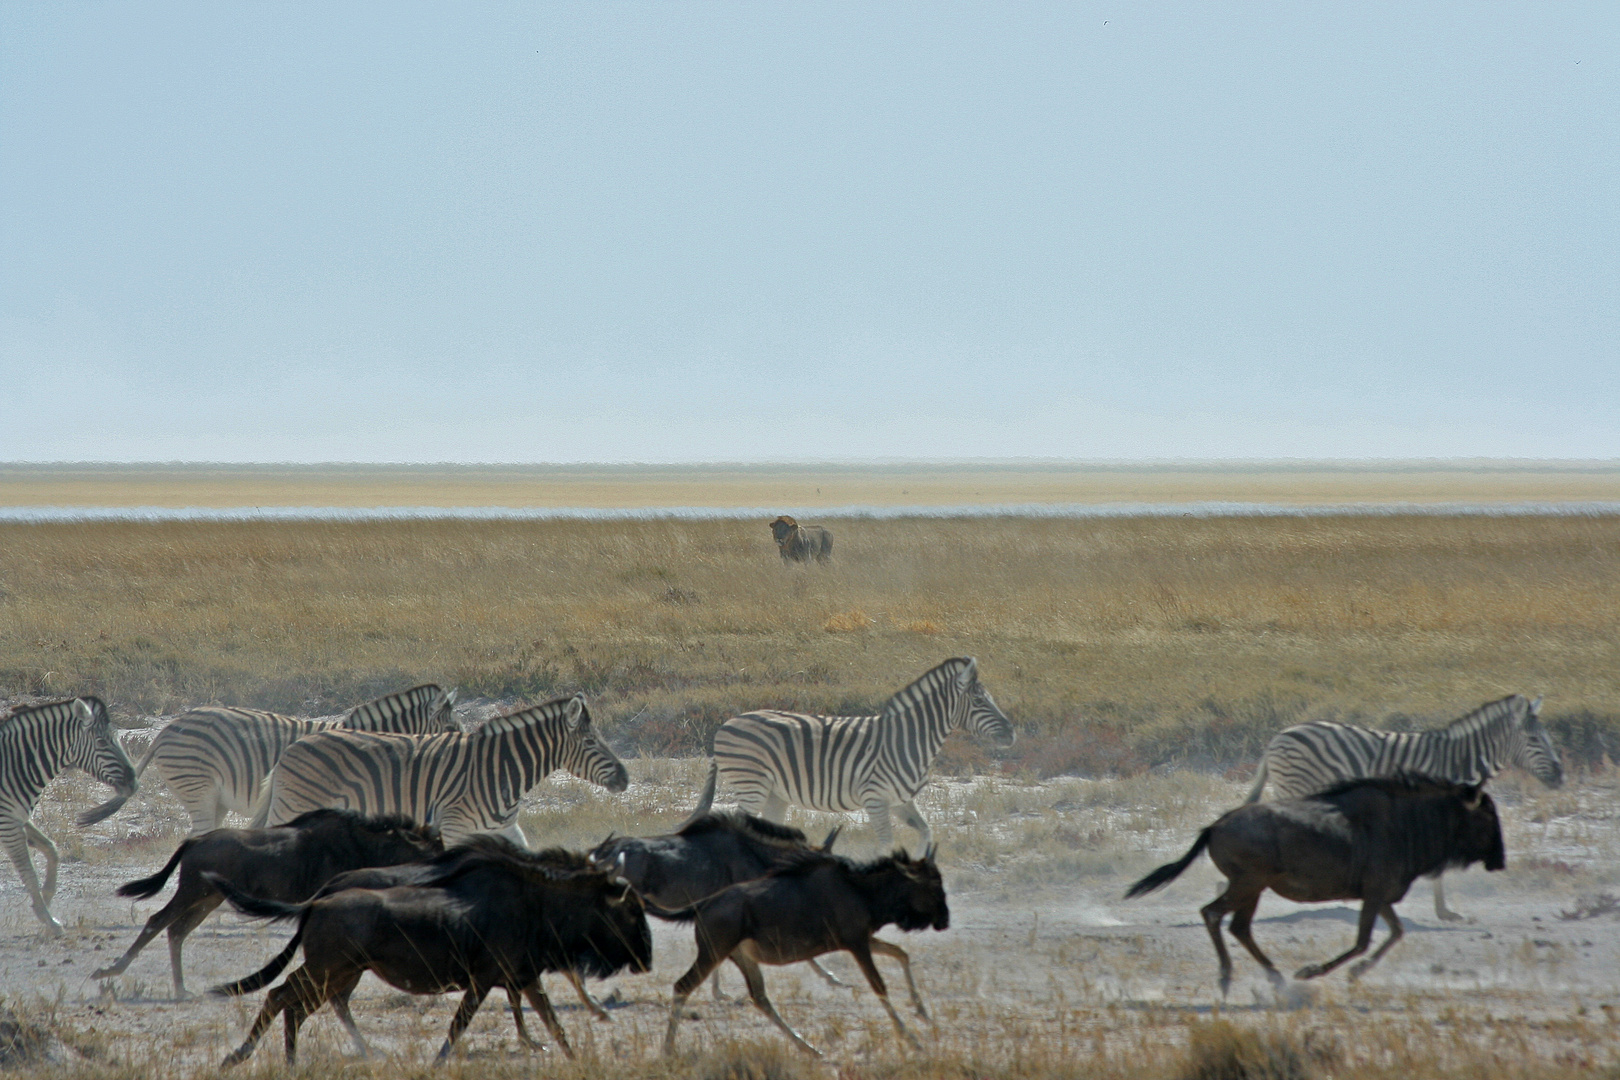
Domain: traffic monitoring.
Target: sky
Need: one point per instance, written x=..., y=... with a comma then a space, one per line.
x=672, y=232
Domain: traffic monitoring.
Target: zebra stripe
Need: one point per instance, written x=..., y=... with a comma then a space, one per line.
x=463, y=783
x=36, y=743
x=215, y=759
x=1307, y=758
x=772, y=759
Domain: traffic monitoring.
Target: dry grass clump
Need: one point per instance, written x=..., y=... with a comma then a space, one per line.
x=1221, y=1050
x=1114, y=644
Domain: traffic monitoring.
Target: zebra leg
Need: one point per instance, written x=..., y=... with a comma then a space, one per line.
x=1441, y=911
x=878, y=814
x=39, y=840
x=910, y=815
x=15, y=840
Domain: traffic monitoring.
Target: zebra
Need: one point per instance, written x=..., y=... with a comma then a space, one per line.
x=463, y=783
x=36, y=743
x=771, y=759
x=1307, y=758
x=215, y=758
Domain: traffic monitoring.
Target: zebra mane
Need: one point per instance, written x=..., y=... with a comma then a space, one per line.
x=925, y=683
x=1489, y=715
x=22, y=713
x=391, y=705
x=552, y=710
x=738, y=821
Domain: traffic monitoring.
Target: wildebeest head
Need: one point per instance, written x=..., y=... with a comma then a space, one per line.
x=617, y=936
x=585, y=755
x=1536, y=753
x=782, y=528
x=983, y=717
x=95, y=749
x=922, y=893
x=1479, y=836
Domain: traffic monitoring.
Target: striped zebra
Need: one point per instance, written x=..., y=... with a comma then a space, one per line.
x=463, y=783
x=1307, y=758
x=215, y=759
x=36, y=743
x=771, y=759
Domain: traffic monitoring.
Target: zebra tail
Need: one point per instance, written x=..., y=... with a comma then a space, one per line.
x=146, y=758
x=705, y=800
x=265, y=975
x=141, y=888
x=1167, y=873
x=1260, y=777
x=255, y=906
x=261, y=809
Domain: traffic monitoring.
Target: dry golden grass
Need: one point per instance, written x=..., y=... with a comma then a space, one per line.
x=1112, y=643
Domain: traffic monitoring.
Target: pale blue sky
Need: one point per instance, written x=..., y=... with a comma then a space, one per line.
x=764, y=232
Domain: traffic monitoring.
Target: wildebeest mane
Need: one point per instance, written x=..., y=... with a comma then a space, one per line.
x=487, y=849
x=377, y=823
x=747, y=824
x=1419, y=835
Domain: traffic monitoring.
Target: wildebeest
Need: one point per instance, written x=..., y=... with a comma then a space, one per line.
x=499, y=916
x=801, y=543
x=706, y=854
x=815, y=904
x=287, y=863
x=1364, y=840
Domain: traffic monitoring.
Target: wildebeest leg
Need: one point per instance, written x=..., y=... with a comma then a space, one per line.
x=469, y=1006
x=178, y=930
x=878, y=814
x=515, y=1000
x=863, y=956
x=1364, y=929
x=340, y=1005
x=39, y=840
x=160, y=921
x=1213, y=912
x=910, y=815
x=756, y=991
x=299, y=985
x=536, y=994
x=14, y=838
x=1441, y=911
x=709, y=957
x=596, y=1008
x=884, y=948
x=1242, y=916
x=1395, y=934
x=832, y=980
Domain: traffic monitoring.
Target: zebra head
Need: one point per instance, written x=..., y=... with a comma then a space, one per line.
x=1536, y=753
x=442, y=716
x=584, y=755
x=977, y=713
x=97, y=751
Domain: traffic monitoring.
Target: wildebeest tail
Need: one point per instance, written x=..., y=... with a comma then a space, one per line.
x=141, y=888
x=1167, y=873
x=705, y=800
x=265, y=975
x=685, y=914
x=257, y=907
x=1261, y=775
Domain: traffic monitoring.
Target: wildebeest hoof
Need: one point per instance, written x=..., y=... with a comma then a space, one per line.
x=236, y=1057
x=1310, y=971
x=1452, y=916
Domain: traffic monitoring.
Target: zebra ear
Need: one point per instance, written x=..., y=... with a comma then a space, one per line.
x=574, y=712
x=450, y=698
x=969, y=673
x=82, y=709
x=1535, y=707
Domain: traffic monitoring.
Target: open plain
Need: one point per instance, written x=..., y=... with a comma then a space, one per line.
x=1144, y=662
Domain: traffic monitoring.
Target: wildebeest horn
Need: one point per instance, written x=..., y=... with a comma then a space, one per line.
x=826, y=845
x=1475, y=794
x=928, y=852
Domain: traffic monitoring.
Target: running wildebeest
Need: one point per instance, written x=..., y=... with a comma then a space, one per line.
x=1364, y=840
x=499, y=916
x=707, y=853
x=418, y=873
x=801, y=543
x=287, y=863
x=815, y=904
